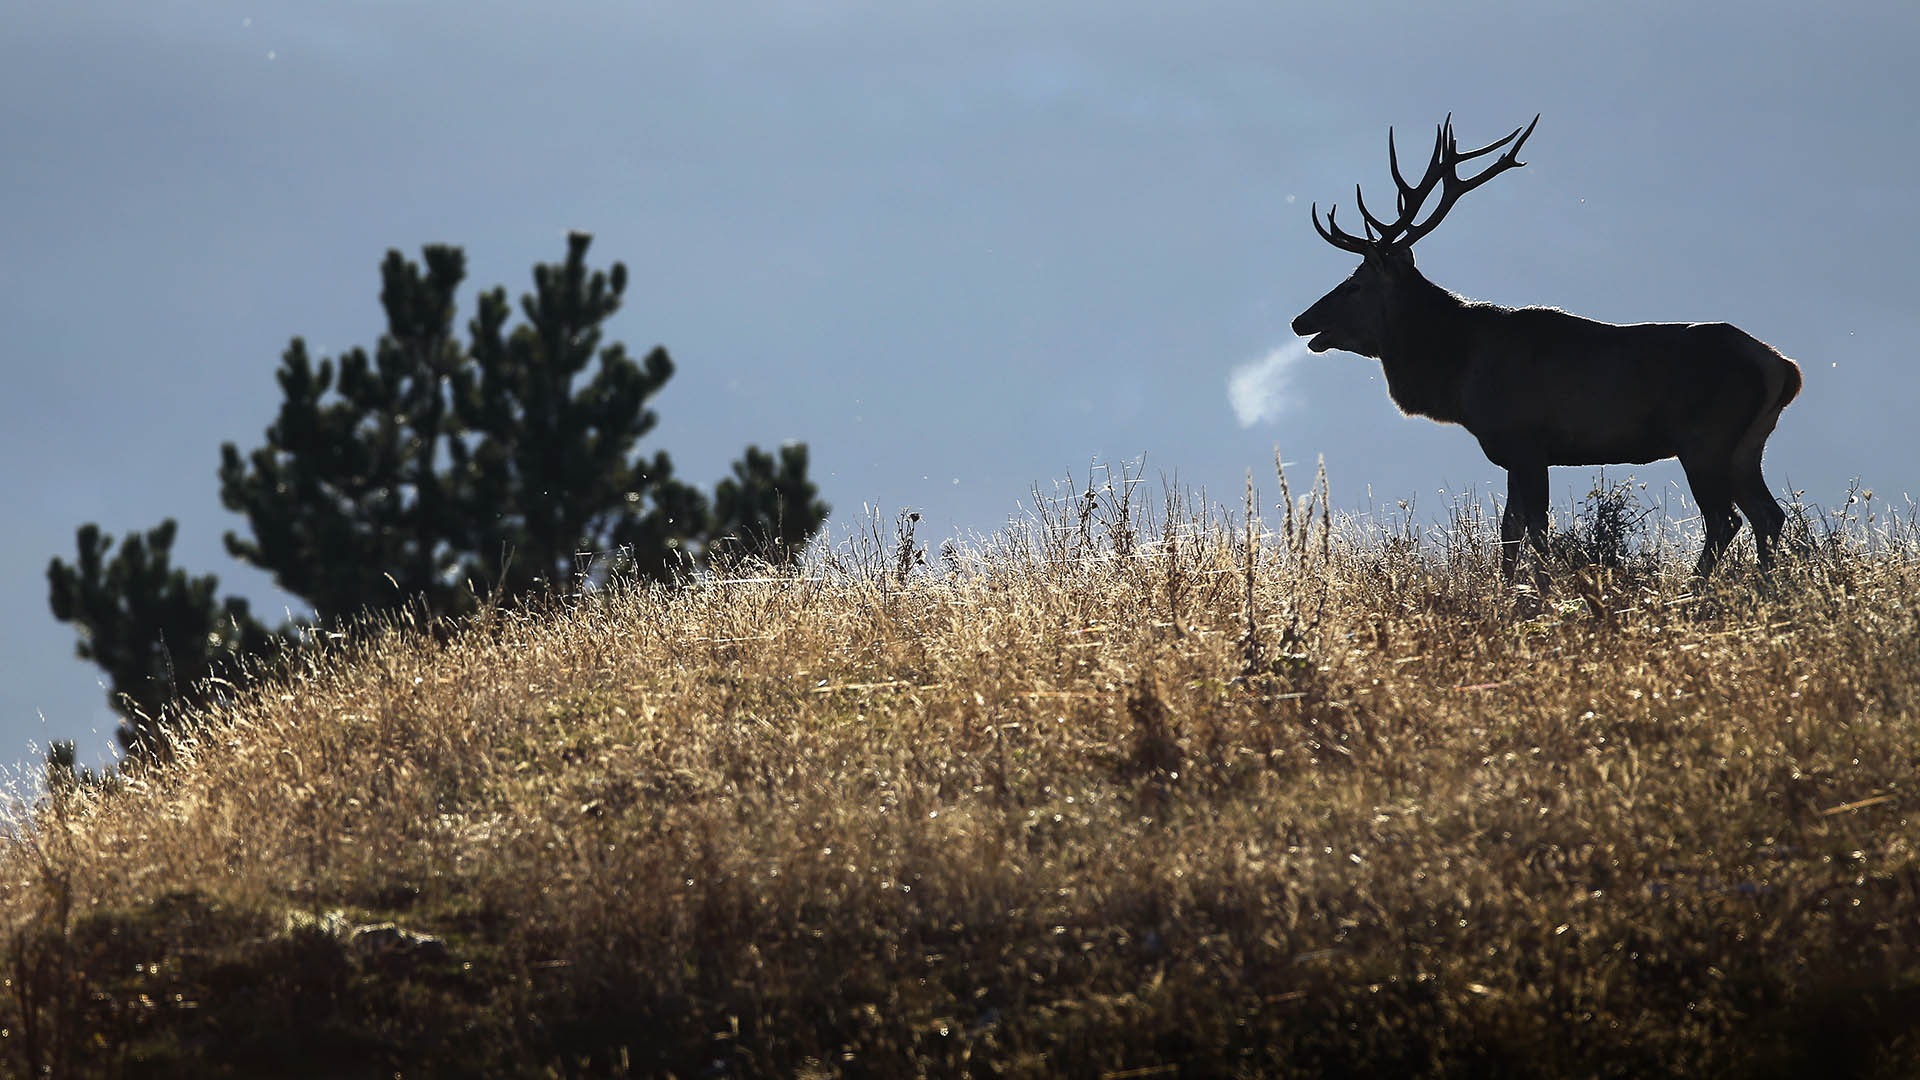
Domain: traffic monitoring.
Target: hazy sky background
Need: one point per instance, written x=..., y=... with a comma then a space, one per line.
x=956, y=248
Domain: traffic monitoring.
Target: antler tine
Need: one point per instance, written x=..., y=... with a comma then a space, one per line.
x=1374, y=223
x=1339, y=237
x=1508, y=160
x=1353, y=243
x=1393, y=163
x=1523, y=141
x=1498, y=143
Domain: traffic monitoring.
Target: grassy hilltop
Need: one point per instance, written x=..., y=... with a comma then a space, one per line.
x=1117, y=794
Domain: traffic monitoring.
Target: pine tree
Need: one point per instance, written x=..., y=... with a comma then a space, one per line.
x=767, y=510
x=155, y=631
x=346, y=505
x=431, y=473
x=533, y=435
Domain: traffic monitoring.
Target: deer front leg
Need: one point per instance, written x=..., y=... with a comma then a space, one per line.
x=1525, y=516
x=1513, y=526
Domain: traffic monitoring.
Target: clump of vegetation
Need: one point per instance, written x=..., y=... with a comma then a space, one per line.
x=1133, y=788
x=1609, y=530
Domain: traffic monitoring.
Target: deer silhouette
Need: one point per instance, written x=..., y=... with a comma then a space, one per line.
x=1540, y=387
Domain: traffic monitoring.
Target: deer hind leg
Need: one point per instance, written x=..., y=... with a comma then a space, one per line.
x=1750, y=489
x=1713, y=489
x=1760, y=507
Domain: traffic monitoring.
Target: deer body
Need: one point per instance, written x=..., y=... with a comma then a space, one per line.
x=1540, y=387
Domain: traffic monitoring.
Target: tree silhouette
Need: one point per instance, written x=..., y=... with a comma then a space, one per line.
x=432, y=472
x=766, y=509
x=156, y=632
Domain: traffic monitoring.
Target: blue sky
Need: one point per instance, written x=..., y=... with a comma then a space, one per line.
x=957, y=248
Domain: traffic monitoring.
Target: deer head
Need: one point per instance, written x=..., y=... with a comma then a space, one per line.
x=1354, y=316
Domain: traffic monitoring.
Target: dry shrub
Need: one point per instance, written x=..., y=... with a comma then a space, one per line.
x=1124, y=788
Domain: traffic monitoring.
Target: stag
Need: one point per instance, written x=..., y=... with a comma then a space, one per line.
x=1539, y=387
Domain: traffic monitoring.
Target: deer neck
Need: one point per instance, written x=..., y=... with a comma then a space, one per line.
x=1426, y=350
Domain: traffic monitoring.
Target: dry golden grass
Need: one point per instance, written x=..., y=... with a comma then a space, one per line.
x=1045, y=806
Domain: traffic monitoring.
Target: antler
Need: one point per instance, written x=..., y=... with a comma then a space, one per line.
x=1443, y=170
x=1339, y=237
